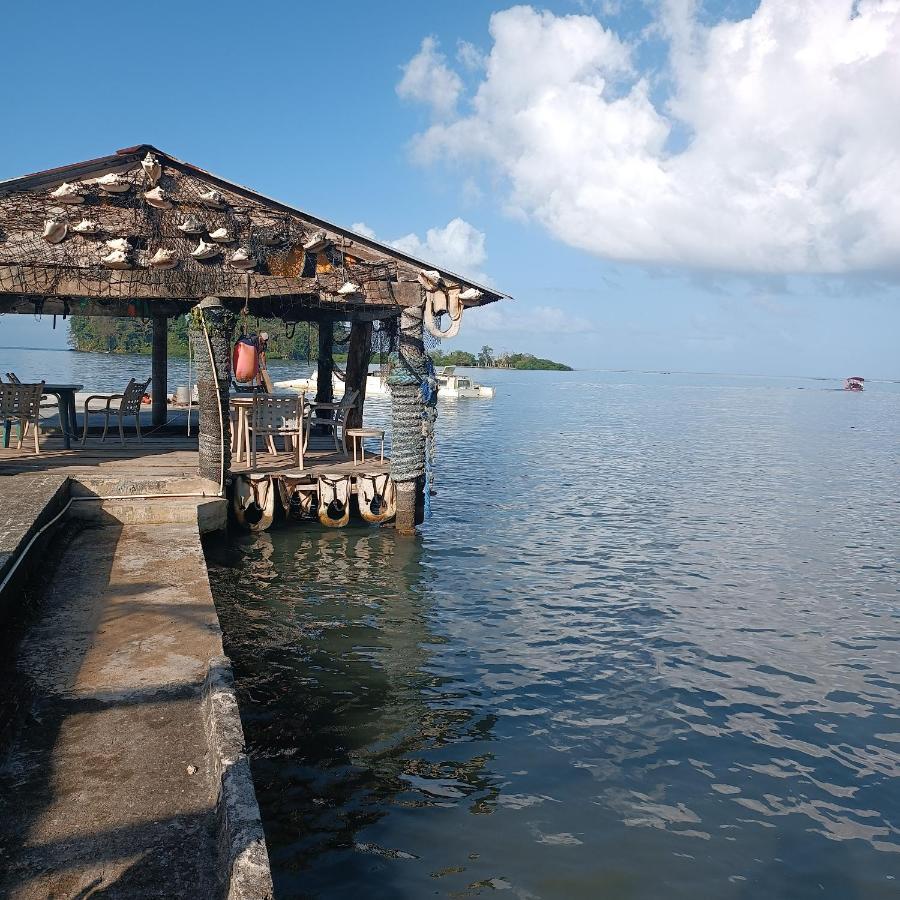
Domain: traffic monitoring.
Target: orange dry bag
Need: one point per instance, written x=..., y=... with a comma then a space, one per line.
x=245, y=360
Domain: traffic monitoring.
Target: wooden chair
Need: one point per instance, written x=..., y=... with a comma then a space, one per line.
x=271, y=416
x=22, y=403
x=333, y=425
x=129, y=405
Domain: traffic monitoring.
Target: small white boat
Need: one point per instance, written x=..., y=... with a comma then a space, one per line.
x=452, y=386
x=376, y=385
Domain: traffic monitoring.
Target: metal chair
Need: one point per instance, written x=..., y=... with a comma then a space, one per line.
x=129, y=405
x=338, y=422
x=271, y=416
x=22, y=402
x=52, y=404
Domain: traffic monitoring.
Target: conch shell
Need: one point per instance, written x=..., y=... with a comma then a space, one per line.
x=117, y=259
x=55, y=230
x=163, y=259
x=471, y=294
x=152, y=168
x=316, y=242
x=205, y=251
x=242, y=259
x=212, y=198
x=157, y=197
x=191, y=225
x=349, y=288
x=67, y=193
x=430, y=279
x=221, y=236
x=114, y=183
x=86, y=226
x=122, y=245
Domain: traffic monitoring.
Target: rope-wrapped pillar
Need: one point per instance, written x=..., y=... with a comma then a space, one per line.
x=412, y=420
x=211, y=333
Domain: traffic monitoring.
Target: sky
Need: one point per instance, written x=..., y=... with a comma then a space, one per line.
x=675, y=185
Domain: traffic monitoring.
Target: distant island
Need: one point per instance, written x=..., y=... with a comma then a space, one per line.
x=106, y=335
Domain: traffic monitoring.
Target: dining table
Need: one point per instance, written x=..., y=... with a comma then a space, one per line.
x=65, y=399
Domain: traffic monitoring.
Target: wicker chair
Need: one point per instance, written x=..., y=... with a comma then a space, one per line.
x=22, y=403
x=129, y=405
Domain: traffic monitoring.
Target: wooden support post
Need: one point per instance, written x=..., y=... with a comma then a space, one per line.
x=358, y=352
x=324, y=388
x=211, y=332
x=159, y=386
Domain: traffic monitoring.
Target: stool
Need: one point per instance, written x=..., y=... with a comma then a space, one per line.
x=358, y=436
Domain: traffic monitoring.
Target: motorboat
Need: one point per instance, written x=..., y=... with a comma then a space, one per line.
x=452, y=386
x=376, y=385
x=854, y=383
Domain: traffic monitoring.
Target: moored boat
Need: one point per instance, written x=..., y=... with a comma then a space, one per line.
x=451, y=385
x=854, y=383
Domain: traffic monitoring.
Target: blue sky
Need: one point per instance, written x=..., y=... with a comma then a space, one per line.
x=623, y=170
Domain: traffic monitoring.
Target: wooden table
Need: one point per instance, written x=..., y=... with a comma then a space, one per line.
x=65, y=399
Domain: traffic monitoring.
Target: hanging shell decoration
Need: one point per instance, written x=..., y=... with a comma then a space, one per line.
x=242, y=259
x=471, y=294
x=205, y=251
x=122, y=245
x=272, y=237
x=221, y=236
x=55, y=231
x=152, y=168
x=212, y=199
x=114, y=183
x=117, y=259
x=191, y=225
x=67, y=193
x=86, y=227
x=349, y=288
x=316, y=242
x=430, y=279
x=163, y=259
x=158, y=197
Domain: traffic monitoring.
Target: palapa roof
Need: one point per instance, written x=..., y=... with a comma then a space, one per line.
x=303, y=267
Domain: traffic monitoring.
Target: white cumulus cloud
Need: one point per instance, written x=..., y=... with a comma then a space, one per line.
x=428, y=79
x=776, y=149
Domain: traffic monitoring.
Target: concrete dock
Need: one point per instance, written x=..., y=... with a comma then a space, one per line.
x=122, y=767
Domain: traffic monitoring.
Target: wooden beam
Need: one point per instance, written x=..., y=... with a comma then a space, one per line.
x=324, y=388
x=159, y=386
x=359, y=350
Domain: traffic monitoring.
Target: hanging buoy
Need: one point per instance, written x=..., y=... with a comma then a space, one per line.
x=245, y=360
x=439, y=303
x=254, y=501
x=334, y=500
x=297, y=503
x=377, y=497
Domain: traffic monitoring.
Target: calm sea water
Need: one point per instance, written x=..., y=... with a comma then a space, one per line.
x=647, y=647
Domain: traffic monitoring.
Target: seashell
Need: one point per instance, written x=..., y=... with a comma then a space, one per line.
x=54, y=231
x=221, y=236
x=242, y=259
x=86, y=226
x=157, y=197
x=163, y=259
x=471, y=294
x=316, y=242
x=430, y=279
x=349, y=288
x=205, y=251
x=191, y=225
x=117, y=259
x=152, y=168
x=123, y=245
x=67, y=193
x=212, y=198
x=114, y=183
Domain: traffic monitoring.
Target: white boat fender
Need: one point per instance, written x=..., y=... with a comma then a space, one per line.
x=297, y=503
x=334, y=500
x=377, y=497
x=254, y=502
x=439, y=303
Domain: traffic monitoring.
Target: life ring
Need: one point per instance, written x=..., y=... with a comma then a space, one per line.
x=254, y=502
x=377, y=497
x=334, y=500
x=297, y=503
x=443, y=302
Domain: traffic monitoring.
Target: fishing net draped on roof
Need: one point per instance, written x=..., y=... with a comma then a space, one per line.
x=140, y=232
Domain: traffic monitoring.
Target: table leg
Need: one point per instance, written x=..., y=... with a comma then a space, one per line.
x=73, y=418
x=240, y=434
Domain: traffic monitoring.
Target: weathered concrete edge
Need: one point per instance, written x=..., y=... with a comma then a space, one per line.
x=242, y=844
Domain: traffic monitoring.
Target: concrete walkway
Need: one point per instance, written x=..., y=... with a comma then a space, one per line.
x=110, y=786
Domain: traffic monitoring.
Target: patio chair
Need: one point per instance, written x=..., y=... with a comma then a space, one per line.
x=22, y=403
x=332, y=424
x=50, y=404
x=271, y=416
x=129, y=405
